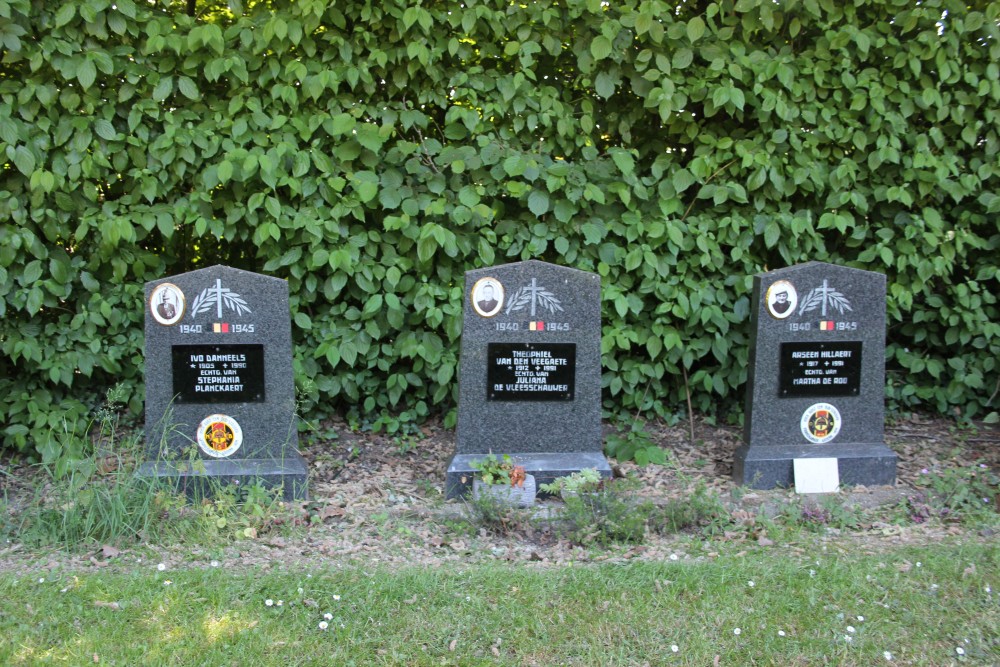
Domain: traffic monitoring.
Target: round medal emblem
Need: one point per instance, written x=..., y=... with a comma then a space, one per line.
x=219, y=436
x=820, y=423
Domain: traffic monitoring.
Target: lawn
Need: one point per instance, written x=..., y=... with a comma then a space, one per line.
x=928, y=605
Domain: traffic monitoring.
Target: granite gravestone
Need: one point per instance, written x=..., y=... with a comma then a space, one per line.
x=219, y=382
x=816, y=385
x=530, y=372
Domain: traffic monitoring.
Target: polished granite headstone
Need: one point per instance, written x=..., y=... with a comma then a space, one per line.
x=530, y=372
x=220, y=394
x=816, y=384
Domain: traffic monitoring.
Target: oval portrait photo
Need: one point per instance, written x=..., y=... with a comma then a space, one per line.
x=487, y=297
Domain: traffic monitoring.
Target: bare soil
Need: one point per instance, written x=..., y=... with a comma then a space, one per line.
x=377, y=499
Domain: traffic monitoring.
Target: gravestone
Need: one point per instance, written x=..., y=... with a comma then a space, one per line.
x=816, y=383
x=530, y=372
x=220, y=395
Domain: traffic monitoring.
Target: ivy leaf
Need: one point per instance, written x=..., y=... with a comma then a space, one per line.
x=342, y=124
x=105, y=130
x=65, y=14
x=601, y=47
x=188, y=88
x=538, y=202
x=682, y=180
x=604, y=84
x=772, y=232
x=86, y=73
x=24, y=160
x=592, y=232
x=8, y=130
x=163, y=89
x=682, y=58
x=695, y=29
x=32, y=273
x=623, y=160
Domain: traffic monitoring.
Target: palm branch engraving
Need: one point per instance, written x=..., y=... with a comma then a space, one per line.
x=218, y=297
x=821, y=297
x=533, y=295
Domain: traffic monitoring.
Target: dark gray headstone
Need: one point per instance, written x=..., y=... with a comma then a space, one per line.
x=530, y=371
x=220, y=394
x=816, y=385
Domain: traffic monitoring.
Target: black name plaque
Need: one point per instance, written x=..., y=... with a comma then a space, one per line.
x=819, y=369
x=218, y=373
x=530, y=371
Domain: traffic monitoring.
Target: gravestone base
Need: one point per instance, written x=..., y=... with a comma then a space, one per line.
x=546, y=467
x=206, y=476
x=770, y=466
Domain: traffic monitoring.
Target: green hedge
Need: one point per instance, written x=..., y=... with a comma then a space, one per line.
x=370, y=153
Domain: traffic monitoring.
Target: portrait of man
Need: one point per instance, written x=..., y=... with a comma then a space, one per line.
x=166, y=307
x=781, y=299
x=487, y=297
x=166, y=304
x=781, y=303
x=488, y=301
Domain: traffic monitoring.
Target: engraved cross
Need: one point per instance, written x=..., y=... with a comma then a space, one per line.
x=533, y=290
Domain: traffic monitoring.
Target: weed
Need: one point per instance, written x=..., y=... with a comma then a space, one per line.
x=94, y=495
x=829, y=512
x=967, y=491
x=635, y=443
x=586, y=480
x=605, y=516
x=407, y=442
x=499, y=517
x=429, y=490
x=701, y=509
x=241, y=512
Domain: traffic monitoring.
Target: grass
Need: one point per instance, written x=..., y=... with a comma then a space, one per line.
x=930, y=605
x=918, y=604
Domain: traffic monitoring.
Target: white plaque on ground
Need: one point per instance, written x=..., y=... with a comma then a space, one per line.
x=816, y=475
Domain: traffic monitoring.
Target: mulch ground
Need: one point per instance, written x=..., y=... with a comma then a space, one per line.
x=376, y=499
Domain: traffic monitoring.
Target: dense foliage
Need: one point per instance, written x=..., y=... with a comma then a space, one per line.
x=370, y=153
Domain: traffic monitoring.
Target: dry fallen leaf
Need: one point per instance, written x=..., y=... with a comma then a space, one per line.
x=453, y=644
x=330, y=512
x=411, y=600
x=107, y=605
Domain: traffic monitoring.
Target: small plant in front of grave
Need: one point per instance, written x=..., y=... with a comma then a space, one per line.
x=634, y=444
x=499, y=517
x=502, y=471
x=962, y=492
x=503, y=479
x=587, y=480
x=407, y=438
x=701, y=509
x=829, y=512
x=238, y=512
x=606, y=516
